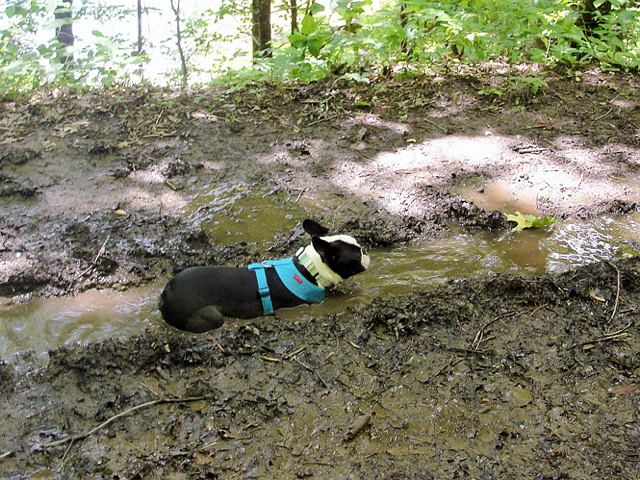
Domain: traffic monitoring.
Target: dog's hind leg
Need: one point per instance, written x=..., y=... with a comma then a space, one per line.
x=205, y=319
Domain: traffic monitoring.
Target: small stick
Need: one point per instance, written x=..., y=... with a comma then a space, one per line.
x=207, y=446
x=82, y=273
x=270, y=359
x=435, y=125
x=538, y=308
x=101, y=251
x=479, y=336
x=449, y=364
x=607, y=336
x=356, y=427
x=65, y=455
x=82, y=436
x=603, y=115
x=315, y=122
x=300, y=195
x=220, y=347
x=312, y=370
x=615, y=306
x=295, y=352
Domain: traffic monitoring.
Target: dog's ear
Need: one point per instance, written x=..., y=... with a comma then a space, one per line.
x=324, y=249
x=313, y=228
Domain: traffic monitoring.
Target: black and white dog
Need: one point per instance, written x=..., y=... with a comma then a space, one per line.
x=198, y=298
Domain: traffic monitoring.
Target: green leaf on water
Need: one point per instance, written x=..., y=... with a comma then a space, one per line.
x=529, y=221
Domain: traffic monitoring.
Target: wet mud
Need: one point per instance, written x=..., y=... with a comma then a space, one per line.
x=502, y=376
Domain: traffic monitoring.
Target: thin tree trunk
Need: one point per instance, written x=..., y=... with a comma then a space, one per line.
x=175, y=6
x=261, y=27
x=64, y=33
x=140, y=39
x=294, y=15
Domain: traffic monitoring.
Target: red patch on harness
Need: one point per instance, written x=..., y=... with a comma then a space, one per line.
x=297, y=279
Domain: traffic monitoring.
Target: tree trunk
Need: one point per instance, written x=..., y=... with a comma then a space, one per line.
x=404, y=19
x=294, y=15
x=590, y=16
x=175, y=6
x=261, y=27
x=64, y=33
x=140, y=39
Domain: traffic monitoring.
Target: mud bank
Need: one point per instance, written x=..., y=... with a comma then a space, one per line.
x=503, y=377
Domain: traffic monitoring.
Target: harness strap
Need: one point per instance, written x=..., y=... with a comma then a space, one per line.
x=296, y=283
x=291, y=278
x=263, y=287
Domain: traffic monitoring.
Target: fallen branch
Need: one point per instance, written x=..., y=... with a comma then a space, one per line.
x=82, y=436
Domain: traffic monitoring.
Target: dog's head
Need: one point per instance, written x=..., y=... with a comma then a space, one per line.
x=335, y=257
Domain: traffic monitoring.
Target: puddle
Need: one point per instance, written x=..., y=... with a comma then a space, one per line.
x=493, y=196
x=239, y=214
x=43, y=324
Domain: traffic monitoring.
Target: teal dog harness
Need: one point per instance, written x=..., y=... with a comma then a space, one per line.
x=291, y=277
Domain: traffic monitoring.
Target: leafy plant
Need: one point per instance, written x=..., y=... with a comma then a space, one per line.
x=529, y=221
x=346, y=38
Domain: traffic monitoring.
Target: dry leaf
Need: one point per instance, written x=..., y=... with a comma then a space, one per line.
x=622, y=389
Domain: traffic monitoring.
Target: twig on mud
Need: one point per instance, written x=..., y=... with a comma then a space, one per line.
x=6, y=454
x=603, y=115
x=302, y=192
x=135, y=447
x=435, y=125
x=270, y=359
x=615, y=305
x=464, y=350
x=607, y=336
x=295, y=352
x=356, y=427
x=450, y=363
x=538, y=308
x=101, y=251
x=313, y=371
x=479, y=338
x=82, y=436
x=65, y=456
x=98, y=255
x=315, y=122
x=150, y=389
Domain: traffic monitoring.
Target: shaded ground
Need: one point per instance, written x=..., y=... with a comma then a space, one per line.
x=482, y=378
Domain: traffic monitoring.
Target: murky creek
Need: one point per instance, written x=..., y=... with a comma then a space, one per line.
x=43, y=324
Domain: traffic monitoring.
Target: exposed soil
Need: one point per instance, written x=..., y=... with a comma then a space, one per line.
x=498, y=377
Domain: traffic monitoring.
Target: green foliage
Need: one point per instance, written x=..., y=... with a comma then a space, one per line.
x=353, y=41
x=529, y=221
x=30, y=56
x=346, y=38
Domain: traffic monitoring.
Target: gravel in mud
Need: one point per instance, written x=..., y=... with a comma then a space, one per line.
x=496, y=377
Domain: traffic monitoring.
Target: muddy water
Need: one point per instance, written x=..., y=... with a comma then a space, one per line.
x=95, y=315
x=238, y=214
